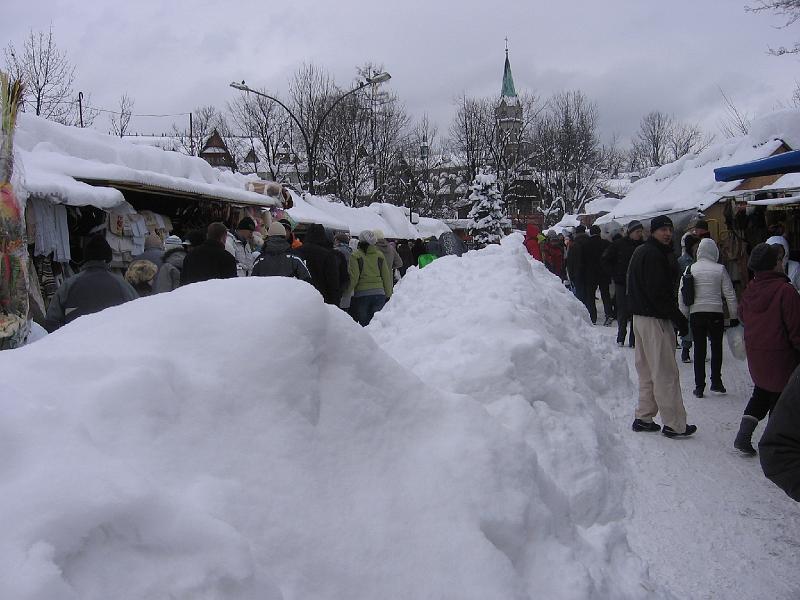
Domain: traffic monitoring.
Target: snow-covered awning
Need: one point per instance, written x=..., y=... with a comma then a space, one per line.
x=81, y=167
x=775, y=201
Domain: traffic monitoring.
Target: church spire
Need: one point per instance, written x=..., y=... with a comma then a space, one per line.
x=508, y=90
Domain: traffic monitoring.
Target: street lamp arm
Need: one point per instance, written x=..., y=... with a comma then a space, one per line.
x=331, y=107
x=244, y=88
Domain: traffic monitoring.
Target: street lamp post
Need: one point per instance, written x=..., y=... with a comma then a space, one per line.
x=310, y=141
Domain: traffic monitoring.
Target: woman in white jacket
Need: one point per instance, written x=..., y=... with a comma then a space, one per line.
x=711, y=284
x=790, y=267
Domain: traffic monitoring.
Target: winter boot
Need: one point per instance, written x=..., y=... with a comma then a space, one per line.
x=743, y=441
x=685, y=355
x=698, y=392
x=640, y=425
x=718, y=387
x=671, y=433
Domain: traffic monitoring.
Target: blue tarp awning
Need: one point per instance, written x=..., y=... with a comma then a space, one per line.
x=780, y=164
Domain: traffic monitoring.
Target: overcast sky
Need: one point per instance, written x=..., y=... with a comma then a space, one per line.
x=629, y=56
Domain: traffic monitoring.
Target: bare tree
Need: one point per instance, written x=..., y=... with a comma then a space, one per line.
x=652, y=139
x=121, y=121
x=789, y=10
x=686, y=139
x=310, y=94
x=261, y=120
x=567, y=159
x=204, y=120
x=48, y=76
x=735, y=122
x=467, y=135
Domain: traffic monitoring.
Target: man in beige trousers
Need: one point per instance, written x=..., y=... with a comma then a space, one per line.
x=653, y=276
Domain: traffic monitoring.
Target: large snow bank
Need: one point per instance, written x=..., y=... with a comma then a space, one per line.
x=239, y=439
x=497, y=326
x=52, y=156
x=689, y=183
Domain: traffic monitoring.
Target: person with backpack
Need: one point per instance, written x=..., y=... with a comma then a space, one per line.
x=370, y=279
x=276, y=258
x=321, y=261
x=702, y=305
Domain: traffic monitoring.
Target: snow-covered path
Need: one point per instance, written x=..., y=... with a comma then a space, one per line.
x=704, y=517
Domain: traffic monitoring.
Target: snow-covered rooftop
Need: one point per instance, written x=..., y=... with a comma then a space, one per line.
x=55, y=161
x=689, y=183
x=392, y=220
x=600, y=204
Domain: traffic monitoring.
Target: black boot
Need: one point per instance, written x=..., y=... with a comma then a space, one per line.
x=743, y=441
x=685, y=355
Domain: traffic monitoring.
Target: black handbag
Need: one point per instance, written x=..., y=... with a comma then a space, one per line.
x=687, y=286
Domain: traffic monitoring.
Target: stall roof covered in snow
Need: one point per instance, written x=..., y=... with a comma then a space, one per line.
x=601, y=204
x=56, y=161
x=689, y=183
x=392, y=220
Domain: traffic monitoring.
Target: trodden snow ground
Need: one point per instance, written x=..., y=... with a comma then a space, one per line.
x=701, y=515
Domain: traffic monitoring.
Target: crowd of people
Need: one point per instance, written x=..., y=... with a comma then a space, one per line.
x=656, y=297
x=662, y=302
x=358, y=275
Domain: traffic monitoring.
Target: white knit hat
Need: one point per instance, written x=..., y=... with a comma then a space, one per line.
x=368, y=237
x=173, y=241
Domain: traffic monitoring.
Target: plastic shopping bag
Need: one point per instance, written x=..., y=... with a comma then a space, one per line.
x=735, y=337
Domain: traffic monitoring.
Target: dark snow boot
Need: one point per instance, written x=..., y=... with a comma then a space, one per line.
x=685, y=355
x=718, y=388
x=743, y=441
x=671, y=433
x=698, y=392
x=640, y=425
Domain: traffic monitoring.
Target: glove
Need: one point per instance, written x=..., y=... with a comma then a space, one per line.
x=734, y=322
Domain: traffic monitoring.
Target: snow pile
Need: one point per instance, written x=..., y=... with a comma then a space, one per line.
x=53, y=156
x=497, y=326
x=262, y=446
x=567, y=222
x=689, y=183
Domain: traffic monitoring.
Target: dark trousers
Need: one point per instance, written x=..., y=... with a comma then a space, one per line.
x=707, y=326
x=761, y=403
x=624, y=316
x=363, y=308
x=589, y=295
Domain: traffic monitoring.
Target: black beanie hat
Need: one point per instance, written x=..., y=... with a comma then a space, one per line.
x=97, y=248
x=594, y=230
x=635, y=226
x=659, y=222
x=701, y=224
x=580, y=228
x=247, y=223
x=763, y=258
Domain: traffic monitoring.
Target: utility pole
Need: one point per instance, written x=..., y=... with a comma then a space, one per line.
x=191, y=136
x=80, y=107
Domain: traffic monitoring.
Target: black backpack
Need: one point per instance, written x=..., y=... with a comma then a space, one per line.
x=687, y=286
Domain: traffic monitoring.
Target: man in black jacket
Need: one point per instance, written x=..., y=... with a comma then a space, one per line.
x=575, y=262
x=209, y=260
x=276, y=258
x=779, y=447
x=93, y=289
x=652, y=292
x=322, y=264
x=593, y=275
x=617, y=257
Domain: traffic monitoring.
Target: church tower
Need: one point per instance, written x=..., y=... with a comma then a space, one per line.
x=509, y=113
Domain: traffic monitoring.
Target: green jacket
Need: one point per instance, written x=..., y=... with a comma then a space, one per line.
x=375, y=274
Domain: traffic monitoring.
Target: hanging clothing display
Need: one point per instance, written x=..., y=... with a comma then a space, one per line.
x=51, y=230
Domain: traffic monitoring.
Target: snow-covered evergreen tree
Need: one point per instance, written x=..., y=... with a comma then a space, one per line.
x=487, y=210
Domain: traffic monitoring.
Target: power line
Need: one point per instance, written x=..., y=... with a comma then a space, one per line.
x=116, y=112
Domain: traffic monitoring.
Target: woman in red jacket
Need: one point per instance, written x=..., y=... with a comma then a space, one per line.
x=532, y=242
x=770, y=312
